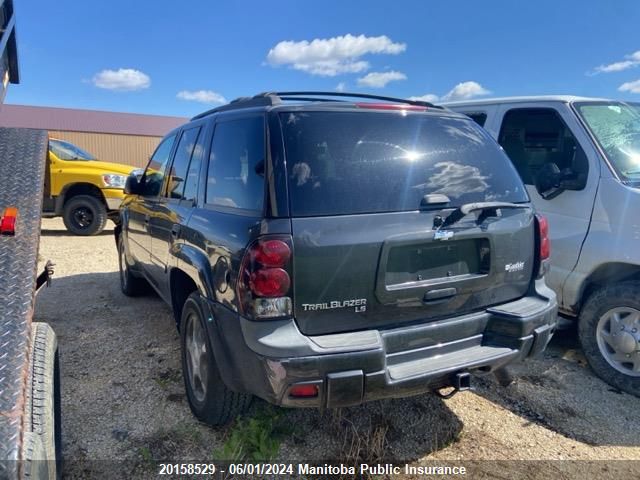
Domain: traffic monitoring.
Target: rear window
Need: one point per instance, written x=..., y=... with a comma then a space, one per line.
x=364, y=162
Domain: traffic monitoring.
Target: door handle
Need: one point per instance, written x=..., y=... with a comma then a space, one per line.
x=175, y=231
x=439, y=295
x=146, y=222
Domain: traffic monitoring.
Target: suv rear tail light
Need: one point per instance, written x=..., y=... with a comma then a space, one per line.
x=264, y=283
x=543, y=242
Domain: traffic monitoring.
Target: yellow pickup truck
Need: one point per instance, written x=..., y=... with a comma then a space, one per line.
x=85, y=192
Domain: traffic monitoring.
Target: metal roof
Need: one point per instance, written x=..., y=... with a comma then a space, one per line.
x=94, y=121
x=520, y=99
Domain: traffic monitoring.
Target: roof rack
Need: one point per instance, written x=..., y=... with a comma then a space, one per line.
x=275, y=98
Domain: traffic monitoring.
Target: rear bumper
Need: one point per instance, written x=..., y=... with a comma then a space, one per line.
x=267, y=358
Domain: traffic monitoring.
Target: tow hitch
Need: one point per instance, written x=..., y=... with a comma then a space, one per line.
x=461, y=382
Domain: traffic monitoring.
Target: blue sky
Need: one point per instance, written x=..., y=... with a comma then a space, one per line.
x=180, y=58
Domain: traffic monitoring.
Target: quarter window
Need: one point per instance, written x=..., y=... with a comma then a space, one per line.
x=236, y=163
x=532, y=137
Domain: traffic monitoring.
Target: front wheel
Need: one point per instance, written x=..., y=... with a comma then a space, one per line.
x=609, y=332
x=211, y=401
x=130, y=285
x=84, y=215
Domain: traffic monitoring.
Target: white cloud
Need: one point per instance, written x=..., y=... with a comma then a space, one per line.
x=202, y=96
x=633, y=87
x=632, y=60
x=462, y=91
x=341, y=87
x=380, y=79
x=465, y=91
x=332, y=56
x=429, y=97
x=123, y=79
x=615, y=67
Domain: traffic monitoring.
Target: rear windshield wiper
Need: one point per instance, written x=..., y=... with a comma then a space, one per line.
x=464, y=210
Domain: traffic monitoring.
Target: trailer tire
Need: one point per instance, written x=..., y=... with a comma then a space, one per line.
x=85, y=215
x=43, y=433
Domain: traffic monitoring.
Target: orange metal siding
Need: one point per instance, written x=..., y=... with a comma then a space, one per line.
x=128, y=149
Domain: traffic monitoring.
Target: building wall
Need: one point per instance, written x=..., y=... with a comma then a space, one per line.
x=128, y=149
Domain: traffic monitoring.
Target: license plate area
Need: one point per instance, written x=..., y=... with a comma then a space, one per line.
x=422, y=264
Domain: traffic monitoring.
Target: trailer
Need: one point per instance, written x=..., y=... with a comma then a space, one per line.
x=30, y=424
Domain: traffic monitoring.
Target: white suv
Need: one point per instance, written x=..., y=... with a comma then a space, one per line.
x=580, y=161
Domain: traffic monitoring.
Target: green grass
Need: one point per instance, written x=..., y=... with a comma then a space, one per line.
x=254, y=439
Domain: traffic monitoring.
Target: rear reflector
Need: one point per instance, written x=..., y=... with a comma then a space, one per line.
x=391, y=106
x=305, y=391
x=8, y=222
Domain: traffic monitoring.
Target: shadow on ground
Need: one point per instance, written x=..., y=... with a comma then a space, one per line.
x=559, y=391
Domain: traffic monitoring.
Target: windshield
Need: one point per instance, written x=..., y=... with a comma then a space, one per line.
x=616, y=127
x=346, y=162
x=68, y=151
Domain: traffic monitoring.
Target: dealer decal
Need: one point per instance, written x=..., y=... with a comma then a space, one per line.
x=514, y=267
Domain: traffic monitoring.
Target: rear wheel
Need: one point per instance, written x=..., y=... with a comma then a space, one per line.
x=85, y=215
x=609, y=332
x=211, y=401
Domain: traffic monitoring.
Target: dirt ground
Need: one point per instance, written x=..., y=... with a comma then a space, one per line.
x=124, y=407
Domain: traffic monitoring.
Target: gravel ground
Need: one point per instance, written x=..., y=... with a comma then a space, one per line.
x=123, y=399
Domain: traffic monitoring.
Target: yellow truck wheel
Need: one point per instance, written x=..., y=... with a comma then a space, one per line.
x=85, y=215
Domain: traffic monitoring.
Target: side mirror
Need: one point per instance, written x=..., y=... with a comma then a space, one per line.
x=133, y=185
x=548, y=181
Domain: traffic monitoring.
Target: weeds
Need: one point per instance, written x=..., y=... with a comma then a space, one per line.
x=254, y=438
x=361, y=445
x=146, y=456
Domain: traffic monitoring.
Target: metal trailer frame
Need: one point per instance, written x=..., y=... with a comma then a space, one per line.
x=29, y=375
x=22, y=160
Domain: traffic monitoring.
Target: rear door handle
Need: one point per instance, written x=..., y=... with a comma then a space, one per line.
x=439, y=295
x=175, y=231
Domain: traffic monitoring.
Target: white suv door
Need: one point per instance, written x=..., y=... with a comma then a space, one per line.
x=533, y=134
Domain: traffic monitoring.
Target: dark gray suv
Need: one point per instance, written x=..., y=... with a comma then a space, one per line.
x=324, y=253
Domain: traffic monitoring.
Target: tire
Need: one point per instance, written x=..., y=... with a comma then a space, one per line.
x=130, y=285
x=43, y=427
x=84, y=215
x=210, y=400
x=613, y=309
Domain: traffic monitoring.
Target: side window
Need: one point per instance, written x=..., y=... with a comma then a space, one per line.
x=193, y=175
x=154, y=173
x=236, y=164
x=181, y=159
x=479, y=117
x=532, y=137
